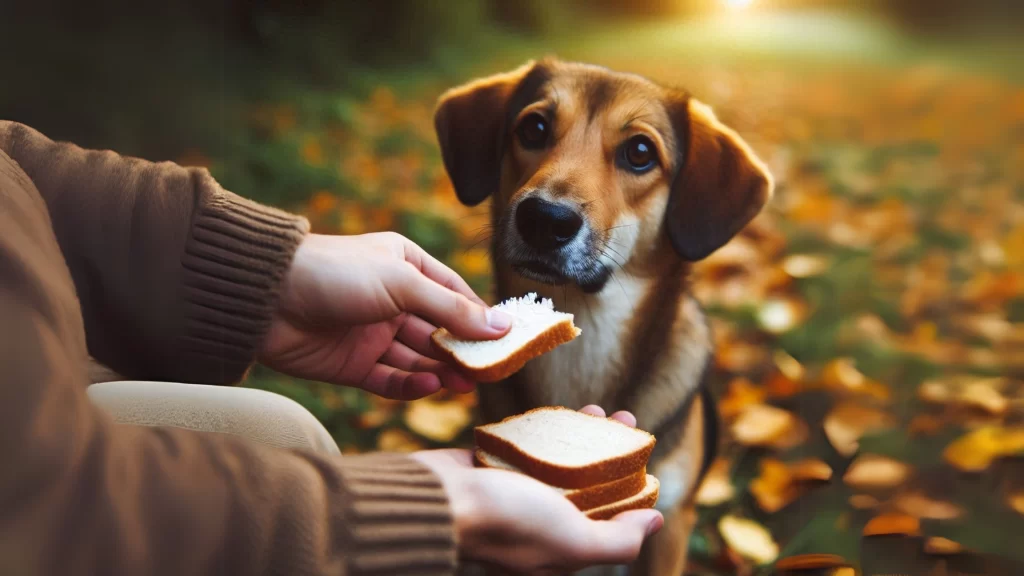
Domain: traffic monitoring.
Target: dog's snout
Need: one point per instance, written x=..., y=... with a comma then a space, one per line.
x=546, y=225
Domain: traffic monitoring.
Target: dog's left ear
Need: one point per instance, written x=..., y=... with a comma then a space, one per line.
x=470, y=122
x=720, y=188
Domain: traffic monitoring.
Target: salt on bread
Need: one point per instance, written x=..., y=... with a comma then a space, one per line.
x=566, y=448
x=536, y=329
x=588, y=498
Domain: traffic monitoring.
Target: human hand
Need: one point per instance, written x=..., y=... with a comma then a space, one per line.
x=359, y=311
x=523, y=525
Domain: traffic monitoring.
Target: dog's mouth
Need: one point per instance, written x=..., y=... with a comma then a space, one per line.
x=590, y=279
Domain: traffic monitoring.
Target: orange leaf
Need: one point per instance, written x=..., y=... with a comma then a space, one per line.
x=871, y=472
x=887, y=524
x=742, y=393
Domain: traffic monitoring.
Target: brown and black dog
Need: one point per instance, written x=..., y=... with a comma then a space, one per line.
x=605, y=188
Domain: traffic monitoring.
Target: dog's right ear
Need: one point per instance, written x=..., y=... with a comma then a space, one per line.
x=471, y=124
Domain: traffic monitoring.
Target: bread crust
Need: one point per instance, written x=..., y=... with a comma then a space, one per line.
x=554, y=474
x=592, y=496
x=611, y=510
x=545, y=342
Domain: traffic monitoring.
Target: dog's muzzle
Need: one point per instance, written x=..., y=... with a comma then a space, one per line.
x=550, y=242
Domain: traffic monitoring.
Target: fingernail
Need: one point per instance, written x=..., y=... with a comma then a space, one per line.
x=498, y=319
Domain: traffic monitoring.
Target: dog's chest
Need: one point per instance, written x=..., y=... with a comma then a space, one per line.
x=587, y=369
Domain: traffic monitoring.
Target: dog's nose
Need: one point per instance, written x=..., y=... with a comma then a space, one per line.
x=545, y=225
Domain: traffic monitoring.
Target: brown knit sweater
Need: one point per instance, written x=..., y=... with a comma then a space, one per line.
x=159, y=273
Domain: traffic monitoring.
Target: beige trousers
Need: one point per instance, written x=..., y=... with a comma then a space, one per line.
x=257, y=415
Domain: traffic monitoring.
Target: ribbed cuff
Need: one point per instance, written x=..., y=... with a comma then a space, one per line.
x=235, y=260
x=396, y=517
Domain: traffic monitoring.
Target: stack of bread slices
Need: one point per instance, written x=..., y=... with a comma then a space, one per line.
x=599, y=464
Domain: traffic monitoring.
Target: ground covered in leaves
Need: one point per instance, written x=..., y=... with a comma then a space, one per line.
x=870, y=324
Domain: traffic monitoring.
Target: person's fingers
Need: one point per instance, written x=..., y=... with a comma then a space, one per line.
x=397, y=384
x=455, y=381
x=464, y=318
x=438, y=272
x=622, y=416
x=398, y=355
x=415, y=333
x=618, y=541
x=625, y=417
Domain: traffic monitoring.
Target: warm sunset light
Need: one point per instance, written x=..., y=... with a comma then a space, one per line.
x=738, y=4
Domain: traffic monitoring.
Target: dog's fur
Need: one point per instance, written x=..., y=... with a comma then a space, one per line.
x=645, y=346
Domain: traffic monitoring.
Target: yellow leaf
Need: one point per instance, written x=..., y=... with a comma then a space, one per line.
x=983, y=395
x=1016, y=501
x=975, y=451
x=716, y=488
x=936, y=545
x=437, y=421
x=741, y=393
x=871, y=472
x=763, y=425
x=748, y=538
x=847, y=422
x=892, y=523
x=919, y=505
x=805, y=265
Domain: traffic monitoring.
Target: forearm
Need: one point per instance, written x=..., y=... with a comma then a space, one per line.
x=177, y=278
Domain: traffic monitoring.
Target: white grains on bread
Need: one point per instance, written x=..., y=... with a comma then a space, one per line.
x=584, y=498
x=536, y=329
x=566, y=448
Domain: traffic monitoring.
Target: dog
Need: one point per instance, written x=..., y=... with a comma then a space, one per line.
x=605, y=188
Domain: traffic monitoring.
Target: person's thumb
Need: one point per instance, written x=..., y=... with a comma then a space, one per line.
x=618, y=541
x=462, y=317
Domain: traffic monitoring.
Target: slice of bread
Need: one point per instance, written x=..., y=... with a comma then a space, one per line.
x=583, y=498
x=536, y=329
x=646, y=498
x=566, y=448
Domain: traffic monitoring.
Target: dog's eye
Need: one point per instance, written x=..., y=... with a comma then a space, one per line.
x=533, y=131
x=639, y=153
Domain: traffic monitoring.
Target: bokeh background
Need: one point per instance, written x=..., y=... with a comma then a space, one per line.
x=870, y=323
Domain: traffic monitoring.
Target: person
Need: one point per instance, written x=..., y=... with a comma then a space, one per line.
x=157, y=272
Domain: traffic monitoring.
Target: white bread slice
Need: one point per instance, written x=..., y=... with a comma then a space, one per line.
x=647, y=498
x=583, y=498
x=536, y=329
x=566, y=448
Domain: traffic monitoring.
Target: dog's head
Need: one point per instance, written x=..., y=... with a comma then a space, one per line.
x=592, y=170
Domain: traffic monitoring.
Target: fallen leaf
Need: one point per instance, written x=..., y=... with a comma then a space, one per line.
x=717, y=488
x=935, y=392
x=983, y=396
x=847, y=422
x=748, y=538
x=1016, y=502
x=788, y=366
x=738, y=357
x=892, y=523
x=919, y=505
x=437, y=421
x=741, y=394
x=811, y=562
x=397, y=440
x=975, y=451
x=780, y=483
x=939, y=546
x=806, y=265
x=872, y=472
x=863, y=501
x=764, y=425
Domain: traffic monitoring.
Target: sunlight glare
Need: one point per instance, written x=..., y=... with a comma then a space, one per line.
x=738, y=4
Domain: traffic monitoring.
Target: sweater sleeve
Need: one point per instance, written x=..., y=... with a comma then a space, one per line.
x=82, y=495
x=177, y=277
